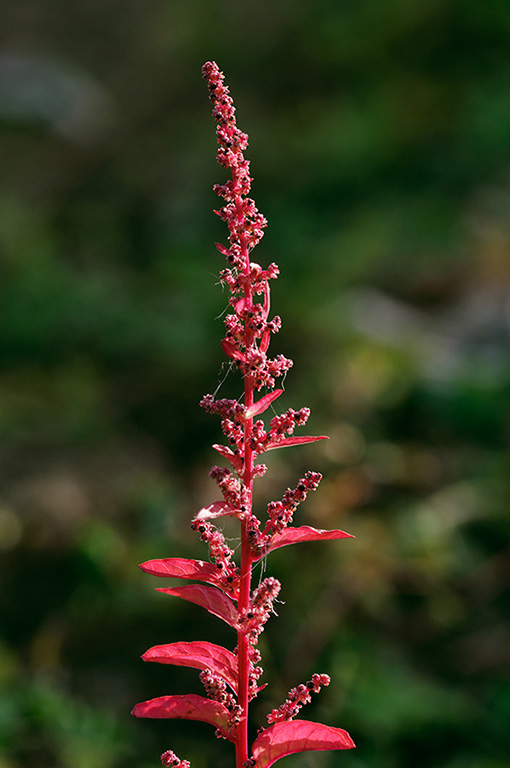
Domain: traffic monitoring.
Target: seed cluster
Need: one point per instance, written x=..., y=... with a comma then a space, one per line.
x=216, y=689
x=229, y=485
x=280, y=513
x=244, y=221
x=249, y=328
x=169, y=758
x=297, y=698
x=260, y=608
x=219, y=553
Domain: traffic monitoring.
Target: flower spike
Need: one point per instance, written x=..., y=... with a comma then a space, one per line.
x=231, y=678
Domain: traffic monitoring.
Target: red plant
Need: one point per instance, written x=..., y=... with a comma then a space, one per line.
x=231, y=678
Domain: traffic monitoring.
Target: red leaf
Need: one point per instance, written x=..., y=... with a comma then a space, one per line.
x=231, y=351
x=241, y=304
x=189, y=707
x=292, y=736
x=181, y=568
x=229, y=455
x=198, y=654
x=261, y=405
x=303, y=533
x=210, y=598
x=285, y=442
x=216, y=509
x=264, y=342
x=222, y=249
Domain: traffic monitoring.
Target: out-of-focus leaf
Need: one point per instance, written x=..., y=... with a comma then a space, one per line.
x=292, y=736
x=187, y=707
x=198, y=654
x=210, y=598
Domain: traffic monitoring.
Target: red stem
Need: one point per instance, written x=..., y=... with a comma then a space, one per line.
x=243, y=659
x=243, y=604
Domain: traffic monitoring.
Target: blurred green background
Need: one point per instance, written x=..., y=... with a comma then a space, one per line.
x=380, y=147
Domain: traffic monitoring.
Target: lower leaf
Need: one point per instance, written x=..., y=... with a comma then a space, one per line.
x=188, y=707
x=198, y=654
x=283, y=739
x=210, y=598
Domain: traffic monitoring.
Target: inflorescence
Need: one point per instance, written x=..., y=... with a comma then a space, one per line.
x=231, y=678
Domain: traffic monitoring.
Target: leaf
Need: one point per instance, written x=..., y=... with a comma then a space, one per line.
x=216, y=509
x=198, y=654
x=210, y=598
x=261, y=405
x=292, y=736
x=264, y=342
x=182, y=568
x=286, y=442
x=188, y=707
x=222, y=249
x=292, y=535
x=229, y=455
x=240, y=304
x=231, y=351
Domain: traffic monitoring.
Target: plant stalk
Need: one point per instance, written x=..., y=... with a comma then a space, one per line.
x=246, y=556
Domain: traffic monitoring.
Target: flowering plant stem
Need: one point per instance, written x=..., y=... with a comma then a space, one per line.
x=245, y=583
x=230, y=678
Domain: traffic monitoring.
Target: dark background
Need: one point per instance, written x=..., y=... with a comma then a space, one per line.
x=380, y=147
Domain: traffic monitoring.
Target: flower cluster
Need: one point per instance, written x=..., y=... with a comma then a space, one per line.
x=287, y=422
x=247, y=340
x=260, y=608
x=219, y=551
x=229, y=485
x=297, y=698
x=280, y=512
x=244, y=221
x=229, y=410
x=279, y=427
x=254, y=275
x=169, y=758
x=216, y=689
x=248, y=329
